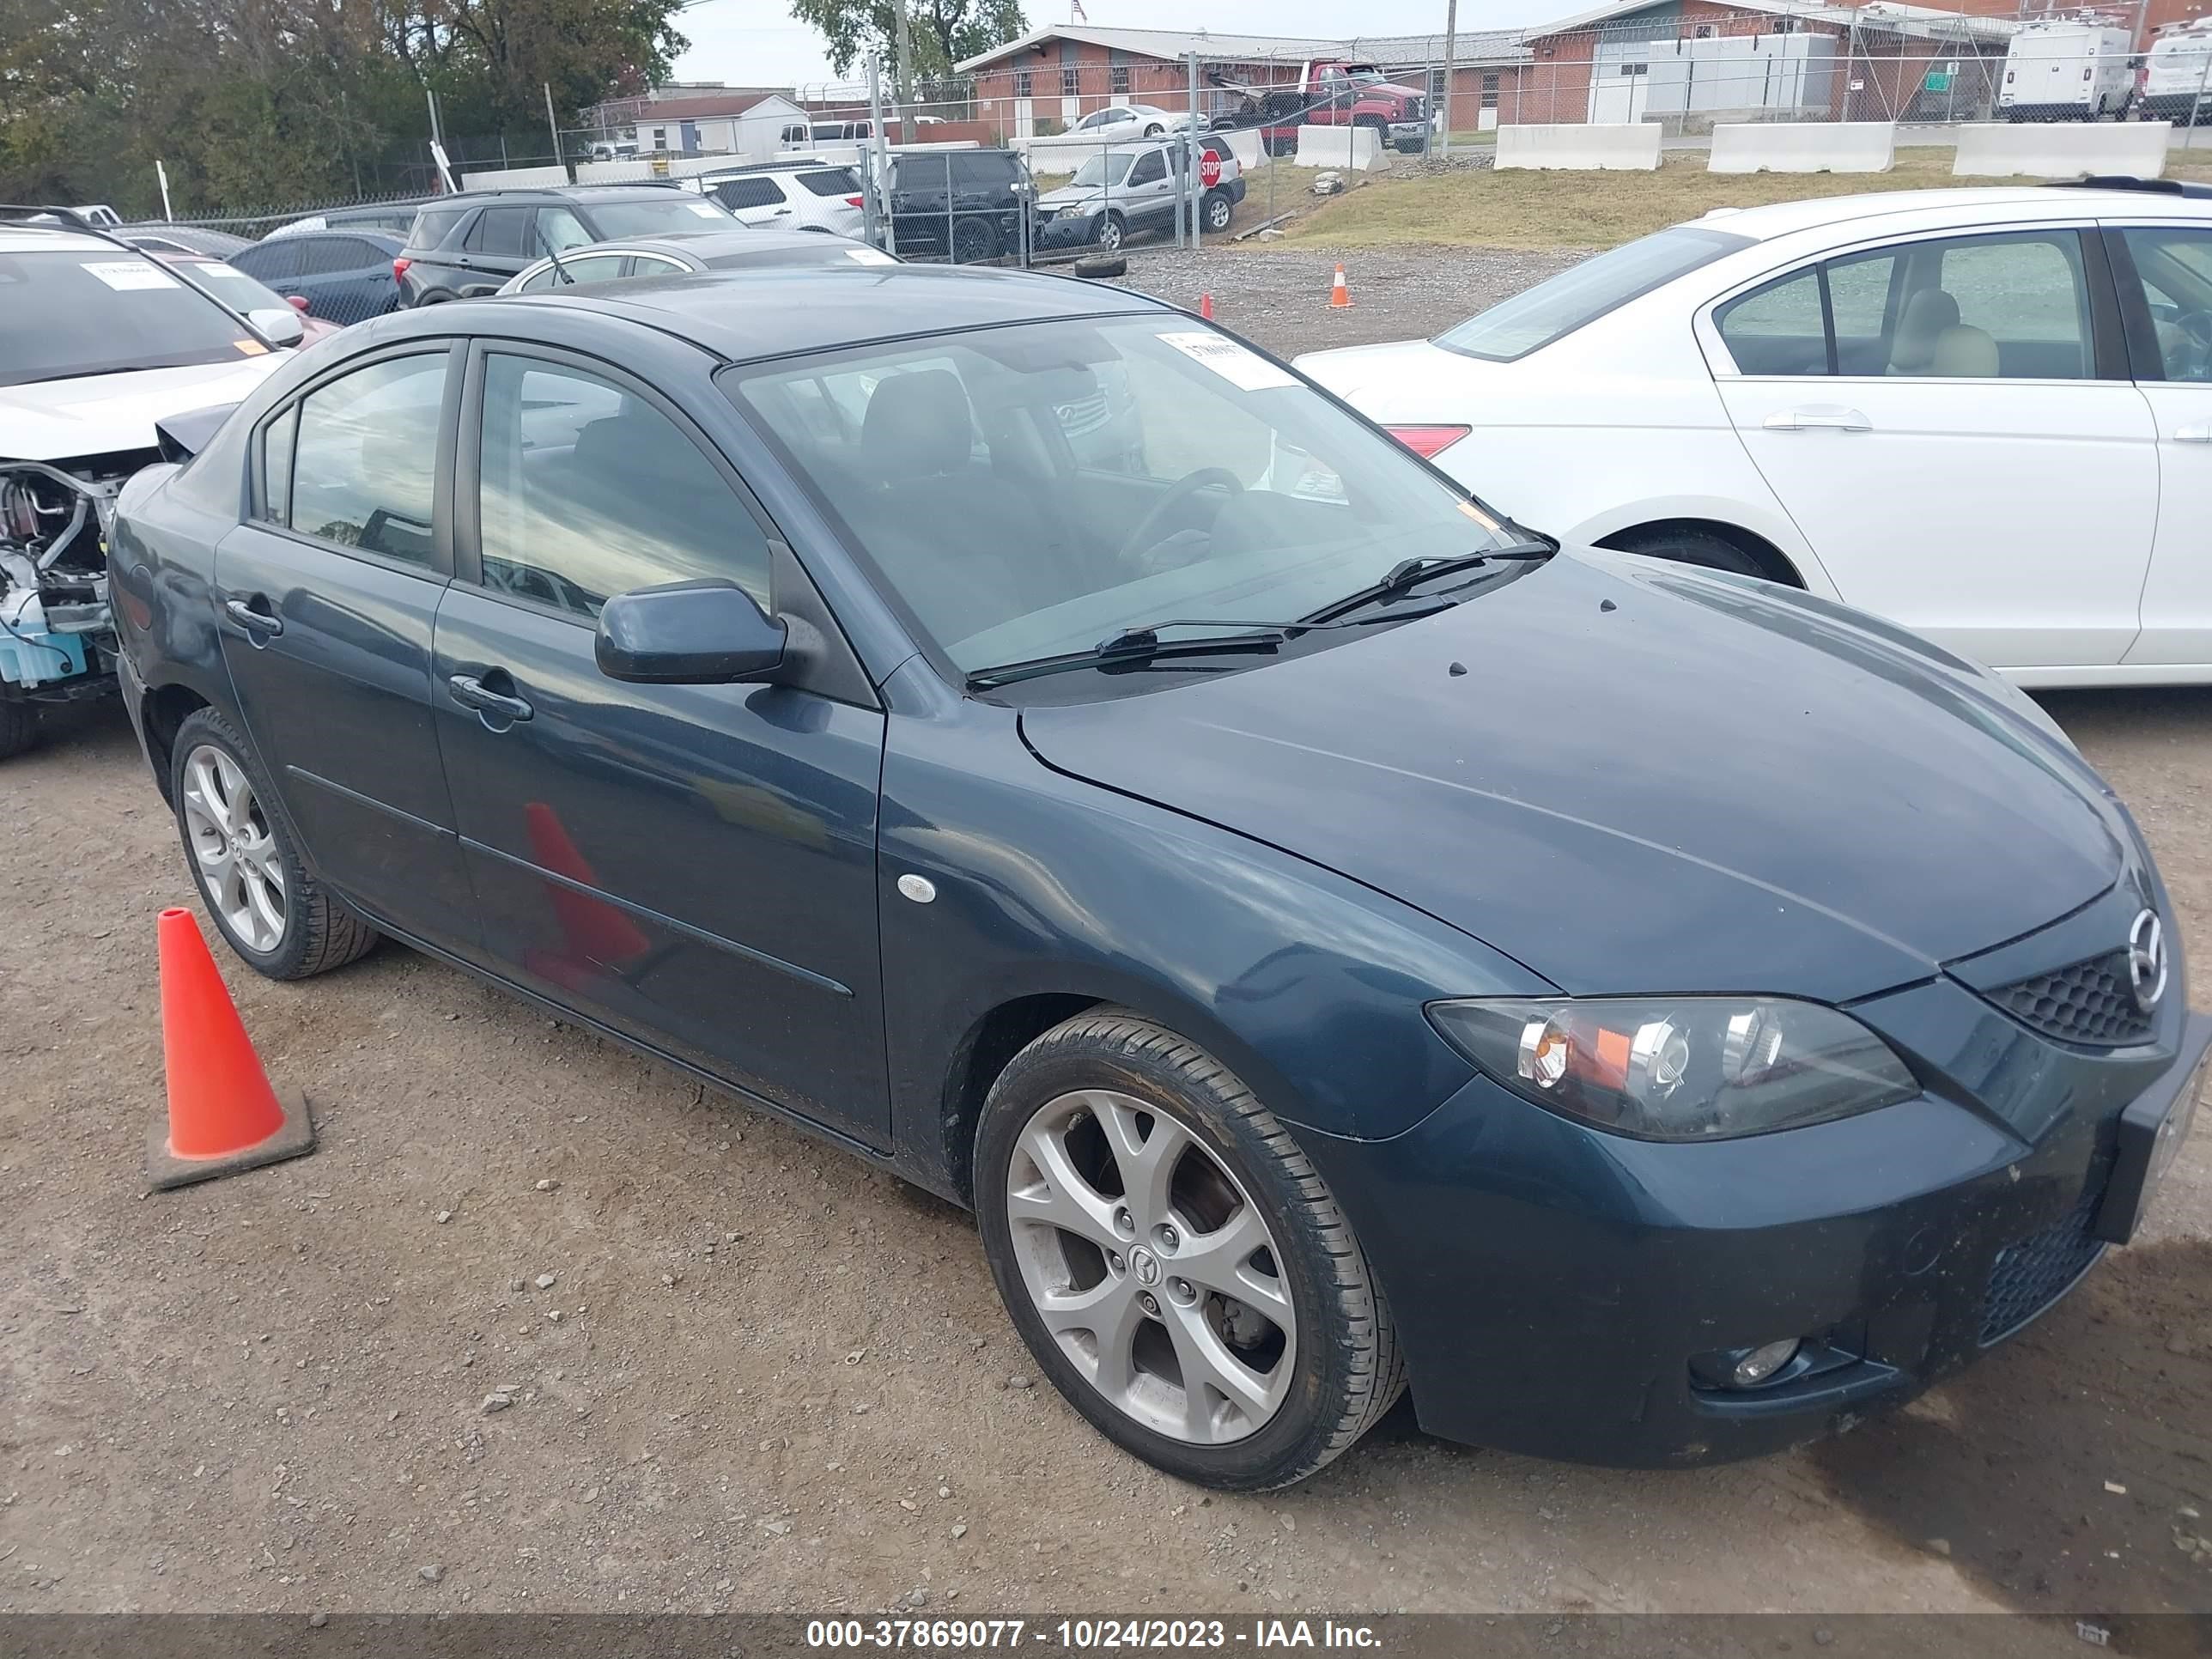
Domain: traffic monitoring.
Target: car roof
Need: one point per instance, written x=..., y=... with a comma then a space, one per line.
x=1970, y=204
x=45, y=239
x=632, y=192
x=787, y=310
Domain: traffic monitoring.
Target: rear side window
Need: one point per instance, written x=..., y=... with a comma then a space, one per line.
x=1777, y=329
x=1577, y=297
x=837, y=181
x=433, y=225
x=366, y=456
x=748, y=193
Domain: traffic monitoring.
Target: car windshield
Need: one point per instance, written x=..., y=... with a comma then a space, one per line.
x=1581, y=295
x=677, y=213
x=1029, y=491
x=103, y=311
x=1105, y=169
x=234, y=287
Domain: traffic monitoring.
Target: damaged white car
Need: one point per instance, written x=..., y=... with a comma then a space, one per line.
x=97, y=343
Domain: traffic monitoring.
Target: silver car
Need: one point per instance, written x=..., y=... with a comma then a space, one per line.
x=1119, y=193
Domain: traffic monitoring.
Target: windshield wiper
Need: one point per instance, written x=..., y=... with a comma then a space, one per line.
x=1402, y=577
x=1135, y=646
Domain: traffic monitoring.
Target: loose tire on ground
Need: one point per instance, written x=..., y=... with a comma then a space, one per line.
x=1339, y=1366
x=318, y=933
x=19, y=726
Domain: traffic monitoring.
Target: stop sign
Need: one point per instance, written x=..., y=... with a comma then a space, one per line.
x=1209, y=168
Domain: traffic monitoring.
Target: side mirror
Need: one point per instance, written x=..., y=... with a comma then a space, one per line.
x=279, y=326
x=297, y=301
x=694, y=633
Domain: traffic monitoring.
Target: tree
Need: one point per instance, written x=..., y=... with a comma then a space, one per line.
x=945, y=31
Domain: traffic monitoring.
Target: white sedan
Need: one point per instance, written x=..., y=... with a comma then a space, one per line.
x=1984, y=414
x=1129, y=121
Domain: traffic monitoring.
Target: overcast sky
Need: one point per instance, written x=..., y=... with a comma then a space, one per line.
x=756, y=42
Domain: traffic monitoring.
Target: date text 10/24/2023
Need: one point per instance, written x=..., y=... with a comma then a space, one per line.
x=1086, y=1635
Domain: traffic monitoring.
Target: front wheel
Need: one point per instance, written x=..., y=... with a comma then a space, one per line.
x=1173, y=1261
x=1154, y=131
x=1112, y=232
x=19, y=726
x=272, y=912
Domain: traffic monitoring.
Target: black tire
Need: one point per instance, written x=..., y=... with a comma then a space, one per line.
x=1154, y=131
x=1101, y=265
x=974, y=241
x=1698, y=547
x=320, y=932
x=1346, y=1372
x=1218, y=210
x=19, y=726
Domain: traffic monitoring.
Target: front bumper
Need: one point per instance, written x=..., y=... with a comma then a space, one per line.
x=1552, y=1284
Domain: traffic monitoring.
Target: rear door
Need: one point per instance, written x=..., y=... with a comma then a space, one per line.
x=1950, y=421
x=325, y=598
x=2166, y=276
x=692, y=865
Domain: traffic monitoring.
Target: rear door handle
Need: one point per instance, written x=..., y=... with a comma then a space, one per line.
x=473, y=693
x=1818, y=417
x=2197, y=432
x=254, y=618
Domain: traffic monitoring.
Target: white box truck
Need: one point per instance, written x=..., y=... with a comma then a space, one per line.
x=2177, y=76
x=2067, y=70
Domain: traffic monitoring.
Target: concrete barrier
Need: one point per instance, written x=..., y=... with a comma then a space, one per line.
x=1803, y=147
x=2061, y=149
x=514, y=178
x=1245, y=146
x=1356, y=148
x=1584, y=146
x=612, y=173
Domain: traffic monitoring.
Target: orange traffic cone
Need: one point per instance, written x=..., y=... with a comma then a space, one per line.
x=224, y=1116
x=1340, y=297
x=1206, y=306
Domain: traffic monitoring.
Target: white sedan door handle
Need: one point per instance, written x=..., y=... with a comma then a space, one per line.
x=1818, y=417
x=2197, y=432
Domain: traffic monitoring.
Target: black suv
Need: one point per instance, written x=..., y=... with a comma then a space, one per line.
x=466, y=245
x=964, y=205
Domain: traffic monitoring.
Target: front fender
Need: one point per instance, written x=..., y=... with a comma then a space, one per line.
x=1305, y=983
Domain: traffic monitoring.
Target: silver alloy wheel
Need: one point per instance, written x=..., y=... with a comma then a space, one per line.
x=1151, y=1266
x=241, y=869
x=1110, y=234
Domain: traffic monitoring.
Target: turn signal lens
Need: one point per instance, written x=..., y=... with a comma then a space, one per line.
x=1427, y=440
x=1679, y=1069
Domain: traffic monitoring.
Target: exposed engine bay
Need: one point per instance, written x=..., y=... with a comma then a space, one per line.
x=56, y=638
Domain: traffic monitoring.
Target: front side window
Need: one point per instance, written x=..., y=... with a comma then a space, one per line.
x=1152, y=168
x=365, y=459
x=2174, y=266
x=1032, y=490
x=587, y=491
x=1576, y=297
x=501, y=232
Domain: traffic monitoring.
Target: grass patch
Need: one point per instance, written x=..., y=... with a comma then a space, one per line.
x=1539, y=210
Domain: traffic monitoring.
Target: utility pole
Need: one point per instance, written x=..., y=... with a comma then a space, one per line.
x=905, y=72
x=1451, y=65
x=552, y=126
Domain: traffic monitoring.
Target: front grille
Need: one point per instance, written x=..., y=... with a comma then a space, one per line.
x=2091, y=1003
x=2029, y=1276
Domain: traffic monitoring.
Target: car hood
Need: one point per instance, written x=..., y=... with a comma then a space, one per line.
x=99, y=414
x=1646, y=779
x=1069, y=196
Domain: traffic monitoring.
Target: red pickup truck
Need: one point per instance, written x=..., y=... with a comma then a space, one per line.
x=1334, y=94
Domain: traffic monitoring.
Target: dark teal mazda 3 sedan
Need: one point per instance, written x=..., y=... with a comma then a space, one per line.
x=1337, y=941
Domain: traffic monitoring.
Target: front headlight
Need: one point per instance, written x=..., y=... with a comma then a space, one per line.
x=1679, y=1069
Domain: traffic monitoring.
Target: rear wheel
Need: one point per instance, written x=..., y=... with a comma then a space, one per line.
x=272, y=912
x=1173, y=1261
x=1219, y=210
x=19, y=726
x=973, y=241
x=1698, y=547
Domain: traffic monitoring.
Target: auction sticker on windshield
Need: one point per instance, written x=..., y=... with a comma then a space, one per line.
x=124, y=275
x=1241, y=367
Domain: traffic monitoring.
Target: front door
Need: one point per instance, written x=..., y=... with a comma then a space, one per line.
x=325, y=598
x=1954, y=448
x=694, y=864
x=2173, y=269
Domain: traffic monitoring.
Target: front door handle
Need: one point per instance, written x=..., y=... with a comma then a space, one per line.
x=1818, y=417
x=254, y=618
x=2197, y=432
x=473, y=693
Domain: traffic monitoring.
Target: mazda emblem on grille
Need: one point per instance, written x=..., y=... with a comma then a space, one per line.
x=2147, y=960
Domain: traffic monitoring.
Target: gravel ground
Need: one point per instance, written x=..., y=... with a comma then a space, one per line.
x=763, y=1377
